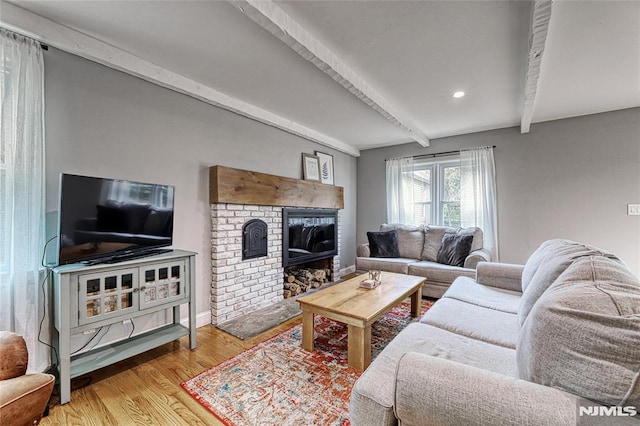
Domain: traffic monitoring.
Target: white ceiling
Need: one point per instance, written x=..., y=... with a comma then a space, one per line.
x=406, y=57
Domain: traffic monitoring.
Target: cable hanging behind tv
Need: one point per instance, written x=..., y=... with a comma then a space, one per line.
x=110, y=220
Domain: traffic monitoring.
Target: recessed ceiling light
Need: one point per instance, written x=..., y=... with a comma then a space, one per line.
x=458, y=94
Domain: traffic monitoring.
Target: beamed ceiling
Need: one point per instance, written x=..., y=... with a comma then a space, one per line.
x=355, y=75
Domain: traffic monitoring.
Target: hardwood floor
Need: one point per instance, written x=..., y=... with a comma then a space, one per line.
x=145, y=390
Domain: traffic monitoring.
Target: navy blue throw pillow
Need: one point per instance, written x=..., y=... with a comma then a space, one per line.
x=454, y=249
x=383, y=244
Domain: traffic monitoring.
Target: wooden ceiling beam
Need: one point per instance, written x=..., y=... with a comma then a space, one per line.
x=51, y=33
x=272, y=18
x=540, y=17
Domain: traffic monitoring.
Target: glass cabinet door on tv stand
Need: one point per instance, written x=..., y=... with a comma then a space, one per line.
x=107, y=294
x=89, y=297
x=161, y=285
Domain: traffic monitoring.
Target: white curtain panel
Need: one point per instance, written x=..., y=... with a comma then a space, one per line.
x=22, y=192
x=478, y=198
x=400, y=191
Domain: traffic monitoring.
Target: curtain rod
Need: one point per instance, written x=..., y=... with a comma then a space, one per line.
x=438, y=154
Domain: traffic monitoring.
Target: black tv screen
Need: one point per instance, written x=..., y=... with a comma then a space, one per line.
x=107, y=219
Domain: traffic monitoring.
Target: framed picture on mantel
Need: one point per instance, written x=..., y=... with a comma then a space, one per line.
x=311, y=167
x=326, y=167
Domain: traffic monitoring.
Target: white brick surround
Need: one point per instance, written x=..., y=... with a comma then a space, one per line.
x=238, y=286
x=242, y=286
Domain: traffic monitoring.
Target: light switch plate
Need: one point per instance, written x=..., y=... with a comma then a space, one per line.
x=633, y=209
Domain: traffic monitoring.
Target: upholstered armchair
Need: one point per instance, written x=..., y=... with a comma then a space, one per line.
x=23, y=397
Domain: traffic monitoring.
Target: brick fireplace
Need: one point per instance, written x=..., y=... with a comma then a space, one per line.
x=240, y=286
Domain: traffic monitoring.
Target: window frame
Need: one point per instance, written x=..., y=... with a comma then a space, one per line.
x=437, y=168
x=442, y=166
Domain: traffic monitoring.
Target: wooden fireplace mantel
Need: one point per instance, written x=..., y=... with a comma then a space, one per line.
x=236, y=186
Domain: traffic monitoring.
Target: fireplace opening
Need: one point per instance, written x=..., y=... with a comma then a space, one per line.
x=308, y=235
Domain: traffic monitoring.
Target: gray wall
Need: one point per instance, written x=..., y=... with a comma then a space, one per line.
x=569, y=178
x=102, y=122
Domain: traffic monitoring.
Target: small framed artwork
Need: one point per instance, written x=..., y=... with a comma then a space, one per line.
x=311, y=167
x=326, y=167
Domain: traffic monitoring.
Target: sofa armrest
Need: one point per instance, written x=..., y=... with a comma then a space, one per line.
x=507, y=276
x=438, y=391
x=23, y=399
x=363, y=250
x=477, y=256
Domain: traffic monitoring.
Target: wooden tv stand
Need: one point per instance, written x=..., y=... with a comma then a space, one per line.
x=89, y=297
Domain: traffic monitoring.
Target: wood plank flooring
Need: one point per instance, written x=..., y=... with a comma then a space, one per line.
x=145, y=389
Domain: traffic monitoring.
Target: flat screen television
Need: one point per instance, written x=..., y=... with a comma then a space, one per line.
x=103, y=220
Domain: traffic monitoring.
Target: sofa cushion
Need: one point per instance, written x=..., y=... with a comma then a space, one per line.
x=373, y=393
x=383, y=244
x=410, y=239
x=478, y=236
x=546, y=264
x=474, y=321
x=433, y=240
x=454, y=249
x=437, y=272
x=399, y=265
x=468, y=290
x=583, y=334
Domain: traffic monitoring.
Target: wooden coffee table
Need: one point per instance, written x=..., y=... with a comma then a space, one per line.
x=359, y=308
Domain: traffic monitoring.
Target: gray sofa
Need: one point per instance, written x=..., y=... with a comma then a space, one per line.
x=418, y=248
x=518, y=345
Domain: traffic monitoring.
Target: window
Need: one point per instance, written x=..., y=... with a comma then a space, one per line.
x=429, y=193
x=434, y=193
x=449, y=202
x=456, y=192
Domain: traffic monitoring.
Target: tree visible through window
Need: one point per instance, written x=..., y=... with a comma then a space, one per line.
x=450, y=200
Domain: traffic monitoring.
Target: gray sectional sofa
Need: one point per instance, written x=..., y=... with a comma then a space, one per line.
x=418, y=247
x=518, y=345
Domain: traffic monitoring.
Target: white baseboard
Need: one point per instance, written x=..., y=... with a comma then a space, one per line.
x=202, y=319
x=347, y=270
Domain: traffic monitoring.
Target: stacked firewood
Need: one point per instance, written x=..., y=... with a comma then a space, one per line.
x=299, y=280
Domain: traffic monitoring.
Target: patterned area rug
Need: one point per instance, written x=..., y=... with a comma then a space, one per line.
x=279, y=383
